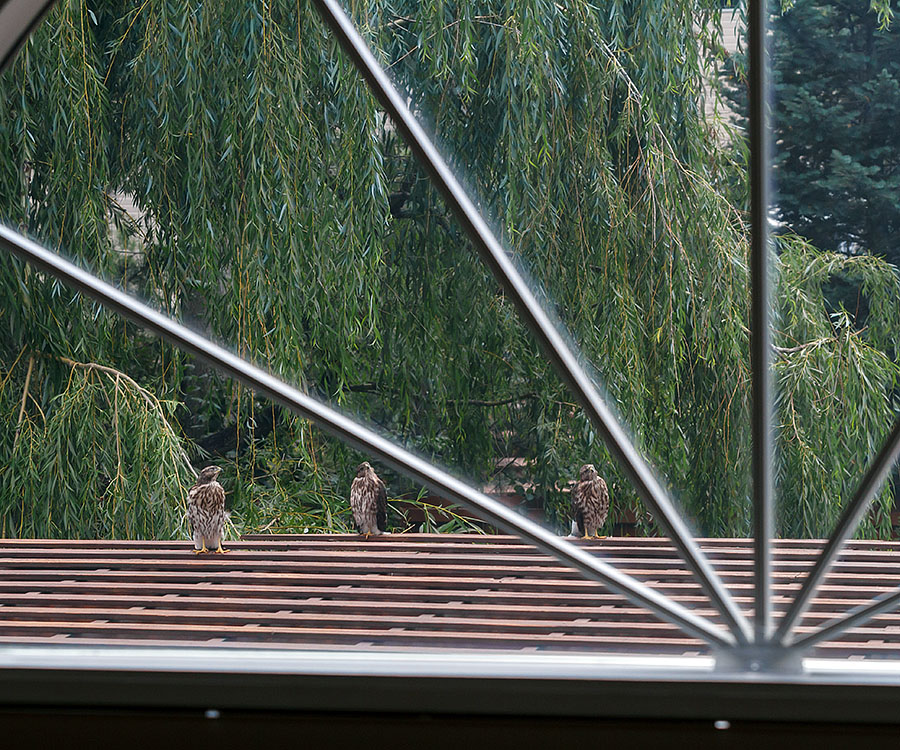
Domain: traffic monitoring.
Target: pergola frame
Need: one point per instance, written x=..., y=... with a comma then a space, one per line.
x=741, y=648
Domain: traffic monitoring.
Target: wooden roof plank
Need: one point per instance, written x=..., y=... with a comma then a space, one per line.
x=401, y=591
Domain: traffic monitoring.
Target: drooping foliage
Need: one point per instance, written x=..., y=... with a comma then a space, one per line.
x=278, y=211
x=832, y=418
x=834, y=97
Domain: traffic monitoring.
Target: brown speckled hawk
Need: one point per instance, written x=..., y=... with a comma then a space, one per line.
x=590, y=502
x=368, y=501
x=206, y=511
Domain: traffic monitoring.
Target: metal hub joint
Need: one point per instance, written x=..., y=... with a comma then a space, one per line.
x=764, y=658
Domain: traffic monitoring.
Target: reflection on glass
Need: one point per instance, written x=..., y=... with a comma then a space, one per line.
x=835, y=93
x=268, y=202
x=600, y=166
x=835, y=88
x=265, y=201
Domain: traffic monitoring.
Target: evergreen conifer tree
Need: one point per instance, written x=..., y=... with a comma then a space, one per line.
x=836, y=81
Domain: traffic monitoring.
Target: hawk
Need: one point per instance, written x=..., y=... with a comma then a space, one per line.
x=206, y=511
x=590, y=502
x=368, y=501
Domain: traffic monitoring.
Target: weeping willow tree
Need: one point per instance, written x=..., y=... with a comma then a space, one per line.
x=278, y=212
x=833, y=415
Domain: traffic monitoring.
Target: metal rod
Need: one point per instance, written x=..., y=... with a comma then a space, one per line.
x=18, y=18
x=555, y=348
x=760, y=335
x=855, y=616
x=361, y=437
x=869, y=486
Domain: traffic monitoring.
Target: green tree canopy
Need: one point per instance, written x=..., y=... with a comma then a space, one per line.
x=837, y=86
x=279, y=213
x=836, y=97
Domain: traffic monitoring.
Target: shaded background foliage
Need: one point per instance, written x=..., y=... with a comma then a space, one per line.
x=837, y=75
x=834, y=104
x=836, y=99
x=279, y=213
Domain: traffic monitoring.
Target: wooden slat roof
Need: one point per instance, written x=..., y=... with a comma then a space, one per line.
x=410, y=591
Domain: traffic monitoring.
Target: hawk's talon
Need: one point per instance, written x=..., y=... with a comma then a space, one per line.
x=220, y=550
x=201, y=550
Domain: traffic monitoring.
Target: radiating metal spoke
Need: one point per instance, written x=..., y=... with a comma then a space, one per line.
x=849, y=520
x=760, y=334
x=18, y=18
x=533, y=314
x=26, y=13
x=856, y=616
x=365, y=439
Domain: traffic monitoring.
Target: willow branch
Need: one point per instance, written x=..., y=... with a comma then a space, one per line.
x=12, y=367
x=782, y=350
x=24, y=398
x=25, y=392
x=374, y=388
x=117, y=376
x=498, y=402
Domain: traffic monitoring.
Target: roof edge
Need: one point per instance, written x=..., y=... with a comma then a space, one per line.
x=496, y=684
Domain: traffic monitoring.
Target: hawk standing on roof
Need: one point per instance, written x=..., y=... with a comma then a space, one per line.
x=206, y=511
x=590, y=502
x=368, y=501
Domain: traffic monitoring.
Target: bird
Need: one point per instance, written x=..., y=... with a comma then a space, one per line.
x=368, y=501
x=206, y=512
x=590, y=502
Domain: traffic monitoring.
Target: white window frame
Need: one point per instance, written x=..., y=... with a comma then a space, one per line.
x=747, y=656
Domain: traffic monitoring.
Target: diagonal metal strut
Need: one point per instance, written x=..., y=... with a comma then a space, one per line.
x=535, y=317
x=363, y=438
x=856, y=616
x=849, y=520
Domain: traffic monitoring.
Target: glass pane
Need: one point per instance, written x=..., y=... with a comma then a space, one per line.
x=835, y=95
x=602, y=174
x=266, y=201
